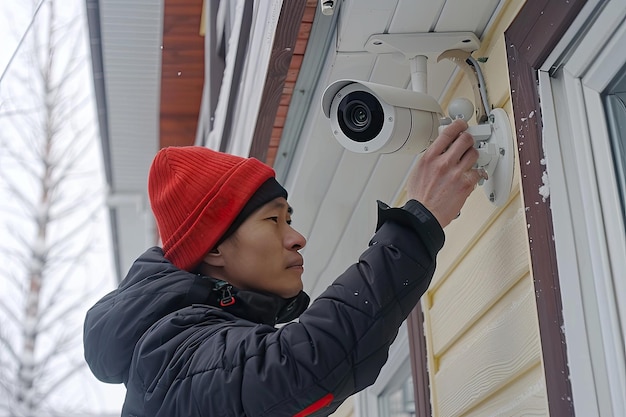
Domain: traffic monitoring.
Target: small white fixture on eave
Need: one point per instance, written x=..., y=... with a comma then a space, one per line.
x=328, y=7
x=371, y=118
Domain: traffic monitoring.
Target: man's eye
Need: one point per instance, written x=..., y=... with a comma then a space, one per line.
x=275, y=220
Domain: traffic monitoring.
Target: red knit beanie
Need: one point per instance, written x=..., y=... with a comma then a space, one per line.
x=196, y=194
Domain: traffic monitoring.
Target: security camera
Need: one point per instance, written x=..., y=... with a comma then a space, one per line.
x=367, y=117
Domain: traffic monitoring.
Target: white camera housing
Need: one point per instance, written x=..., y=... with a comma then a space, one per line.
x=367, y=117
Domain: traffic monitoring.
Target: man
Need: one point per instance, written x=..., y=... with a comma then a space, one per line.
x=191, y=329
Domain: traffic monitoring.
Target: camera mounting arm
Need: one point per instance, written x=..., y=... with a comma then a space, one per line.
x=417, y=48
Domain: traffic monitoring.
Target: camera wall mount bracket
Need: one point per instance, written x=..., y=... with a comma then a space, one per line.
x=494, y=141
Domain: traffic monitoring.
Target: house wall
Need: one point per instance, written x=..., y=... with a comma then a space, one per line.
x=484, y=352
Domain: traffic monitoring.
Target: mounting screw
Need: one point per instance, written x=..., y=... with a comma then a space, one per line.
x=502, y=151
x=492, y=118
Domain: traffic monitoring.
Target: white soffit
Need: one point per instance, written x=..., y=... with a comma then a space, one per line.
x=131, y=35
x=131, y=47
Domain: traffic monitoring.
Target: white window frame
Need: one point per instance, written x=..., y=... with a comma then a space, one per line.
x=396, y=370
x=587, y=215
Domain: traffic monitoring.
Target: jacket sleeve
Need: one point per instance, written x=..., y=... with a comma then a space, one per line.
x=341, y=341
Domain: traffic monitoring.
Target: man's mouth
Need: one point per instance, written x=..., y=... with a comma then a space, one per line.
x=299, y=264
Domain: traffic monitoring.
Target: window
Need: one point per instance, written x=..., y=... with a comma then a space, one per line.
x=398, y=401
x=615, y=103
x=584, y=120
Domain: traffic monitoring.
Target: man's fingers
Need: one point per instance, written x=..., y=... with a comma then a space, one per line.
x=469, y=157
x=448, y=136
x=475, y=175
x=462, y=147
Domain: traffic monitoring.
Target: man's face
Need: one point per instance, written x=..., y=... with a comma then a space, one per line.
x=263, y=254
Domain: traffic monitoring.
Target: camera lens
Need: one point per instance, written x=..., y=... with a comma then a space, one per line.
x=360, y=116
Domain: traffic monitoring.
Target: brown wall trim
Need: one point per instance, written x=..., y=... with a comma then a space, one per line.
x=282, y=50
x=419, y=367
x=530, y=38
x=182, y=72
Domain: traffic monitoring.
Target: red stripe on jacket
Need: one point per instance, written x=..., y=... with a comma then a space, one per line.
x=316, y=406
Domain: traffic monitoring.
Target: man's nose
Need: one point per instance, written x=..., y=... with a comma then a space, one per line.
x=295, y=240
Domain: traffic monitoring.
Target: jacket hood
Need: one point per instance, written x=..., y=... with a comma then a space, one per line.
x=153, y=289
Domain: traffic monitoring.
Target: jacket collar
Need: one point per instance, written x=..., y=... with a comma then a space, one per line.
x=255, y=306
x=153, y=274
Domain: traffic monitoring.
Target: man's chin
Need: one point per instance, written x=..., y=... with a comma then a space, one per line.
x=292, y=293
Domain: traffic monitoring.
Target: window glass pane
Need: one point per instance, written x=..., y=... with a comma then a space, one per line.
x=615, y=105
x=399, y=401
x=616, y=112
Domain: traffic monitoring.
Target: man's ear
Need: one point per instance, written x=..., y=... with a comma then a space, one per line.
x=214, y=258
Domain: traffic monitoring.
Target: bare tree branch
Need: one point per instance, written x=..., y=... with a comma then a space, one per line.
x=8, y=312
x=47, y=320
x=9, y=348
x=18, y=112
x=15, y=281
x=78, y=227
x=61, y=380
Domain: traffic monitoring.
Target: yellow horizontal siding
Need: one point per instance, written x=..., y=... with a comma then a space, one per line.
x=482, y=335
x=500, y=347
x=496, y=262
x=528, y=393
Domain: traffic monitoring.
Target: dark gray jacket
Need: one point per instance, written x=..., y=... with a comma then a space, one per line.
x=184, y=348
